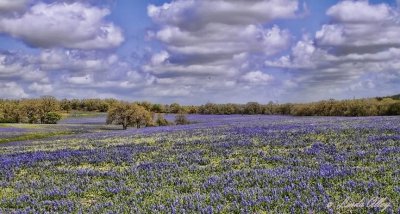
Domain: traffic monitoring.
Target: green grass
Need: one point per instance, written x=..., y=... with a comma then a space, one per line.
x=34, y=136
x=82, y=114
x=22, y=125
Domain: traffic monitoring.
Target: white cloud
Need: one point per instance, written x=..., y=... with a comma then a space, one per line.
x=360, y=26
x=11, y=90
x=41, y=88
x=304, y=55
x=67, y=73
x=359, y=11
x=17, y=67
x=257, y=77
x=213, y=45
x=225, y=40
x=356, y=52
x=168, y=92
x=318, y=65
x=210, y=50
x=75, y=61
x=79, y=80
x=74, y=25
x=159, y=58
x=194, y=13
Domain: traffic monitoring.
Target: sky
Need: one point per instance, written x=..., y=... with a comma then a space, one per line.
x=199, y=51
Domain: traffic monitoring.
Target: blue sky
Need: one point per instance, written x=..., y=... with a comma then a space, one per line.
x=198, y=51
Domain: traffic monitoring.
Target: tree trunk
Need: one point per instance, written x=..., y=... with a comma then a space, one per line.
x=125, y=125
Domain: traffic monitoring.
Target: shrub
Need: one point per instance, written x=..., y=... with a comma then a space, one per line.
x=161, y=121
x=180, y=119
x=52, y=118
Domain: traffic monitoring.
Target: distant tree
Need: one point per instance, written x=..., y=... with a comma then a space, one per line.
x=103, y=106
x=47, y=104
x=146, y=105
x=75, y=104
x=180, y=119
x=110, y=103
x=209, y=108
x=157, y=108
x=11, y=112
x=175, y=108
x=118, y=115
x=394, y=109
x=2, y=120
x=252, y=108
x=52, y=118
x=285, y=109
x=269, y=108
x=228, y=109
x=126, y=114
x=191, y=109
x=140, y=116
x=31, y=110
x=161, y=121
x=65, y=105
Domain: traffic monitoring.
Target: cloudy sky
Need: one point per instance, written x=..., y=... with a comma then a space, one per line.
x=198, y=51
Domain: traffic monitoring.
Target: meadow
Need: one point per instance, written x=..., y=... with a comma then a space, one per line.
x=219, y=164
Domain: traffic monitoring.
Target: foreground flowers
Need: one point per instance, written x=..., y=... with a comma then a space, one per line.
x=223, y=164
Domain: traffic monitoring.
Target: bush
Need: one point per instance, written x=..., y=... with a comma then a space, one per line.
x=52, y=118
x=180, y=119
x=161, y=121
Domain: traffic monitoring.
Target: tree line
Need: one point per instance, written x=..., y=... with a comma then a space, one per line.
x=48, y=109
x=349, y=108
x=45, y=110
x=379, y=106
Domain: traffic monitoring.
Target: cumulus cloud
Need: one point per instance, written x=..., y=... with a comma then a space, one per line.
x=80, y=80
x=304, y=55
x=19, y=67
x=257, y=77
x=211, y=44
x=68, y=25
x=41, y=88
x=12, y=90
x=212, y=22
x=316, y=66
x=358, y=51
x=66, y=73
x=224, y=40
x=210, y=30
x=359, y=12
x=83, y=70
x=187, y=14
x=359, y=26
x=76, y=61
x=213, y=50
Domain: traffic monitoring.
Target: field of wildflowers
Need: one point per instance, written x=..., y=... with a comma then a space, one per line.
x=220, y=164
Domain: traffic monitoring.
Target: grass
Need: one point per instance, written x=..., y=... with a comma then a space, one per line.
x=22, y=125
x=82, y=114
x=34, y=136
